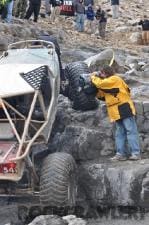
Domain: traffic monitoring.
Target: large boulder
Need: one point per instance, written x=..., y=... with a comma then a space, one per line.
x=89, y=137
x=73, y=220
x=108, y=56
x=48, y=219
x=9, y=213
x=3, y=44
x=80, y=133
x=136, y=38
x=125, y=184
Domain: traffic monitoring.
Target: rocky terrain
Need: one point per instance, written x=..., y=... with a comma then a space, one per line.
x=117, y=193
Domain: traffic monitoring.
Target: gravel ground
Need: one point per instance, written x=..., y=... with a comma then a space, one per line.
x=9, y=215
x=119, y=222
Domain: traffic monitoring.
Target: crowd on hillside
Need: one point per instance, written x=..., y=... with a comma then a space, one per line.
x=86, y=13
x=88, y=16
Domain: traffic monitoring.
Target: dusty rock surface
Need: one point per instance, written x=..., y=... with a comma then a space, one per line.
x=49, y=219
x=118, y=222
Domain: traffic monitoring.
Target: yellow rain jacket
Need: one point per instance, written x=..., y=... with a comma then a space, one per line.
x=116, y=94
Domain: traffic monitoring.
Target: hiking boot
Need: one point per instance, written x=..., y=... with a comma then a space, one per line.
x=135, y=157
x=119, y=157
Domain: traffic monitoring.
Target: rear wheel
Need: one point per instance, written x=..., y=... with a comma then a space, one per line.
x=57, y=181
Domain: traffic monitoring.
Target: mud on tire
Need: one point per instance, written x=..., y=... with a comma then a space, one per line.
x=81, y=100
x=57, y=180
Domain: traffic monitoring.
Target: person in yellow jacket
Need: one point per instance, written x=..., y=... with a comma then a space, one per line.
x=121, y=110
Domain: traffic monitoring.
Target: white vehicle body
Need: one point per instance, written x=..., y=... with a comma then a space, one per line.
x=28, y=70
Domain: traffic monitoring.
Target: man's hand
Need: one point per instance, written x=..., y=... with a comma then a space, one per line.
x=98, y=74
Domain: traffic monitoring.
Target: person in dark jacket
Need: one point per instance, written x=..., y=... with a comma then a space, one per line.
x=34, y=7
x=145, y=30
x=144, y=23
x=87, y=3
x=101, y=17
x=3, y=9
x=115, y=8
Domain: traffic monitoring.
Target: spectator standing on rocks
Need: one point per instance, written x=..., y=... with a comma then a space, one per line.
x=34, y=7
x=121, y=110
x=87, y=3
x=90, y=15
x=47, y=7
x=80, y=15
x=3, y=8
x=20, y=7
x=101, y=17
x=55, y=10
x=115, y=9
x=144, y=23
x=9, y=7
x=145, y=30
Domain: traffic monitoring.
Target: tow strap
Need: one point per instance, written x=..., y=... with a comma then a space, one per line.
x=112, y=60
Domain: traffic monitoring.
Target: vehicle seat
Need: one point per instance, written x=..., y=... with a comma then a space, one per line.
x=6, y=132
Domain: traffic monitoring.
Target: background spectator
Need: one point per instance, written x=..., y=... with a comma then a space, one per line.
x=90, y=15
x=3, y=9
x=9, y=6
x=47, y=7
x=80, y=15
x=87, y=3
x=115, y=8
x=20, y=8
x=34, y=7
x=55, y=9
x=144, y=23
x=145, y=30
x=101, y=17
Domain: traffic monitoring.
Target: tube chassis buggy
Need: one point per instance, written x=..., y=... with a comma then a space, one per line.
x=29, y=89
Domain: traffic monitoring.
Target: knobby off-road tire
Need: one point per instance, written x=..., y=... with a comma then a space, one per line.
x=73, y=70
x=57, y=180
x=81, y=100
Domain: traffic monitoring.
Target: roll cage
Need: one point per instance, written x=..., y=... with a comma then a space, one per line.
x=29, y=89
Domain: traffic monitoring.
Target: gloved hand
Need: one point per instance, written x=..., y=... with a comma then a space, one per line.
x=86, y=84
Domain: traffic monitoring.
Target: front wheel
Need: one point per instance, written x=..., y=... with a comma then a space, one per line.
x=57, y=181
x=81, y=100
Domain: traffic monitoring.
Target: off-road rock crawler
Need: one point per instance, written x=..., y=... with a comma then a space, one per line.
x=29, y=89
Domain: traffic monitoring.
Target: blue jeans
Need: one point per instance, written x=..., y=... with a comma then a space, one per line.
x=80, y=22
x=126, y=131
x=9, y=12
